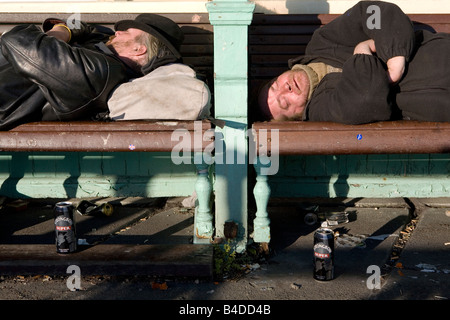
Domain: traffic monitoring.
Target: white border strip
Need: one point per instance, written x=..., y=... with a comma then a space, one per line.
x=198, y=6
x=93, y=6
x=340, y=6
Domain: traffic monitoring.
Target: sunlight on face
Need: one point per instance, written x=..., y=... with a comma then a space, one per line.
x=124, y=42
x=285, y=97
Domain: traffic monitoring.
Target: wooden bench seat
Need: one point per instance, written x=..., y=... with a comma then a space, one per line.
x=116, y=136
x=327, y=138
x=132, y=136
x=273, y=39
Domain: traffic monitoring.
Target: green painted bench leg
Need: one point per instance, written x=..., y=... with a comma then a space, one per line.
x=261, y=192
x=203, y=220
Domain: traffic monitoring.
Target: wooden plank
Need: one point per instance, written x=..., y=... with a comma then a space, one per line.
x=256, y=39
x=283, y=29
x=29, y=17
x=127, y=125
x=323, y=138
x=267, y=60
x=278, y=49
x=197, y=28
x=198, y=38
x=292, y=19
x=428, y=18
x=321, y=19
x=440, y=127
x=83, y=136
x=199, y=62
x=200, y=49
x=267, y=73
x=104, y=141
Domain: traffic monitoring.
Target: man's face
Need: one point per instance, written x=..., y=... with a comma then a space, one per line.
x=124, y=42
x=286, y=96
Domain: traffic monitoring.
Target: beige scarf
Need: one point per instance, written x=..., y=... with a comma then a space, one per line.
x=315, y=71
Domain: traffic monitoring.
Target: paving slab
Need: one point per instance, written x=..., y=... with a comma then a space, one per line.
x=423, y=270
x=34, y=223
x=172, y=226
x=115, y=259
x=370, y=234
x=139, y=238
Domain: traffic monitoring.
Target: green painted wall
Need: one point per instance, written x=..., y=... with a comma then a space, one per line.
x=66, y=175
x=423, y=175
x=70, y=175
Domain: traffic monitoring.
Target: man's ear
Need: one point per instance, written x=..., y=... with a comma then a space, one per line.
x=140, y=50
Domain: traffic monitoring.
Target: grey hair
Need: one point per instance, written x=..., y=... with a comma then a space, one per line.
x=152, y=44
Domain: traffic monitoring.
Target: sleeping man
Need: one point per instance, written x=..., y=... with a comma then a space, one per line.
x=356, y=70
x=68, y=72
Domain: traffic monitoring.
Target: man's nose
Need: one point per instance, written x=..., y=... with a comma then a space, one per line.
x=286, y=88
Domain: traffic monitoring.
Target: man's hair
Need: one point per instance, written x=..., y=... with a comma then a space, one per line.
x=153, y=45
x=258, y=107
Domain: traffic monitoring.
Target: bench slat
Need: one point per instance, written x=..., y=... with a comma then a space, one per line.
x=129, y=125
x=324, y=138
x=105, y=18
x=292, y=19
x=150, y=136
x=98, y=141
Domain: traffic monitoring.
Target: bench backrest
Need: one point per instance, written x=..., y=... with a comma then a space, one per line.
x=275, y=38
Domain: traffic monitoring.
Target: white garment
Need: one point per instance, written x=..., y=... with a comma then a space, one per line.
x=168, y=92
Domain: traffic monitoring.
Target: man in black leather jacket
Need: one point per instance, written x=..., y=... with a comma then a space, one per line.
x=60, y=73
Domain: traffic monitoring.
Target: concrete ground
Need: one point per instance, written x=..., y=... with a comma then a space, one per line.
x=144, y=252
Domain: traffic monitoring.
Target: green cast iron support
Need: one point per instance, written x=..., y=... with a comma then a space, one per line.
x=203, y=220
x=261, y=192
x=230, y=20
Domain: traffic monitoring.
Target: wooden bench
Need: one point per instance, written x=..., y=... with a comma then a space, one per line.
x=130, y=136
x=273, y=39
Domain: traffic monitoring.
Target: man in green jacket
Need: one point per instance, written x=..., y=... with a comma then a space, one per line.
x=366, y=65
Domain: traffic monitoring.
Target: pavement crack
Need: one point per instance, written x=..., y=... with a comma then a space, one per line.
x=415, y=209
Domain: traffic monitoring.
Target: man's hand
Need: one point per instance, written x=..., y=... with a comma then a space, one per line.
x=365, y=47
x=396, y=68
x=60, y=32
x=395, y=65
x=78, y=30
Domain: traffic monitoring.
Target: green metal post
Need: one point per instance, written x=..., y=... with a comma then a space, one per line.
x=230, y=20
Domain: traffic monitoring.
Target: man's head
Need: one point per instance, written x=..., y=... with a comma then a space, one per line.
x=137, y=41
x=285, y=97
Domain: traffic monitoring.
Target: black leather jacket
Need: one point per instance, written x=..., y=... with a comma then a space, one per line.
x=42, y=78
